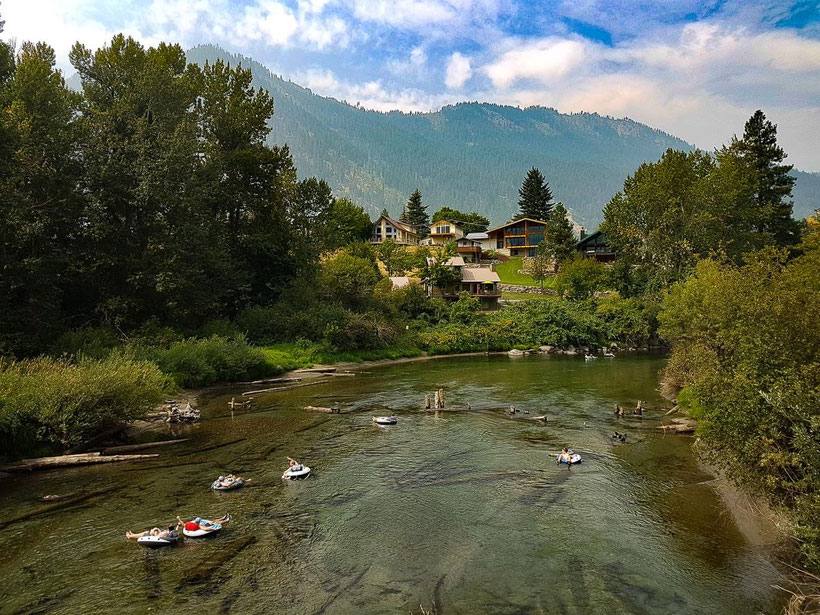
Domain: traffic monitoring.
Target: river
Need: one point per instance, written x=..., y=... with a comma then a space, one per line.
x=456, y=512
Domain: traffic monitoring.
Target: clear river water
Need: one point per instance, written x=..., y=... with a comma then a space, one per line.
x=456, y=512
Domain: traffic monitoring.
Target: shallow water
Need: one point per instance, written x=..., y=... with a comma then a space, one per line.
x=461, y=512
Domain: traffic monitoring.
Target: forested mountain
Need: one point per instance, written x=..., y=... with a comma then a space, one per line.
x=469, y=156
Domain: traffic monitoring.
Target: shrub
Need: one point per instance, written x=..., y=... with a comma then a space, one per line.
x=348, y=280
x=362, y=332
x=92, y=342
x=57, y=403
x=580, y=278
x=203, y=362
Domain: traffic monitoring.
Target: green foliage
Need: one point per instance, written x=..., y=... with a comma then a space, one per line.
x=580, y=278
x=348, y=280
x=415, y=214
x=472, y=222
x=397, y=259
x=542, y=265
x=559, y=239
x=56, y=403
x=362, y=331
x=464, y=310
x=439, y=274
x=746, y=347
x=535, y=197
x=347, y=223
x=203, y=362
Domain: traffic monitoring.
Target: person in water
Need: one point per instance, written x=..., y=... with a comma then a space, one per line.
x=230, y=479
x=155, y=531
x=198, y=523
x=565, y=456
x=293, y=465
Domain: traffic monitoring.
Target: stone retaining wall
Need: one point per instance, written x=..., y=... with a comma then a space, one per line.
x=534, y=290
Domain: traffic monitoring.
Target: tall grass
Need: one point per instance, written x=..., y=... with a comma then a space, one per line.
x=53, y=404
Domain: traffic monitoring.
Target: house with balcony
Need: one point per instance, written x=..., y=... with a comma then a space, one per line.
x=470, y=247
x=516, y=238
x=387, y=228
x=480, y=282
x=443, y=232
x=595, y=246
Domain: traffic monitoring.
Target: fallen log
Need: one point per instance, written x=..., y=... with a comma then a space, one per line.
x=672, y=411
x=271, y=381
x=286, y=388
x=127, y=448
x=317, y=370
x=62, y=461
x=332, y=410
x=343, y=374
x=678, y=428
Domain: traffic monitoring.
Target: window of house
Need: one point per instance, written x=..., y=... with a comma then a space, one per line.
x=499, y=244
x=443, y=229
x=390, y=231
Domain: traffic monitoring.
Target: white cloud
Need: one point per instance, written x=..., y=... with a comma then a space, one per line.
x=458, y=71
x=542, y=60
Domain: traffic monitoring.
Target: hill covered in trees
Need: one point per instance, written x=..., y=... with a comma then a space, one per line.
x=470, y=156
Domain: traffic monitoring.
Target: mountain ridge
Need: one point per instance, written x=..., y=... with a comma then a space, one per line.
x=471, y=156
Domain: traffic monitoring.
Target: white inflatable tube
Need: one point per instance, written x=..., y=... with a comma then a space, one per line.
x=291, y=474
x=154, y=542
x=385, y=420
x=574, y=458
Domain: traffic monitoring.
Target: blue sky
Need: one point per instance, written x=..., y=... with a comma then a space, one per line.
x=695, y=68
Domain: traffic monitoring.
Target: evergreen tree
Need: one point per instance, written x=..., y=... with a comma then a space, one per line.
x=560, y=240
x=417, y=214
x=772, y=182
x=535, y=197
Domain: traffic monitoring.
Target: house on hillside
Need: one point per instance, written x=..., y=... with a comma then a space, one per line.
x=595, y=246
x=480, y=282
x=443, y=232
x=388, y=228
x=516, y=238
x=469, y=247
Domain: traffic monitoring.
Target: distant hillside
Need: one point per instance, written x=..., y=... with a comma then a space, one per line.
x=469, y=156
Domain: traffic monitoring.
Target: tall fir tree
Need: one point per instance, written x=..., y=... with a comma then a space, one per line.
x=416, y=214
x=560, y=240
x=771, y=180
x=535, y=197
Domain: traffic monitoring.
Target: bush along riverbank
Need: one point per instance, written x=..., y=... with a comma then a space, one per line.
x=745, y=359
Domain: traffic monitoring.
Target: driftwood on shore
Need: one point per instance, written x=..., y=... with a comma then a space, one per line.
x=127, y=448
x=62, y=461
x=271, y=381
x=317, y=370
x=332, y=410
x=286, y=388
x=678, y=428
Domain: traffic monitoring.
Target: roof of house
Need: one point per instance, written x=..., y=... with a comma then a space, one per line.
x=590, y=237
x=511, y=222
x=398, y=224
x=400, y=281
x=456, y=224
x=479, y=274
x=455, y=261
x=477, y=236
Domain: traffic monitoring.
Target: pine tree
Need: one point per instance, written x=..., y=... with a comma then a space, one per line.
x=416, y=214
x=559, y=240
x=772, y=182
x=535, y=197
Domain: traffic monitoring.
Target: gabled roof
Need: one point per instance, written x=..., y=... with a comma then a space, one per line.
x=511, y=222
x=479, y=274
x=477, y=236
x=590, y=237
x=398, y=224
x=456, y=224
